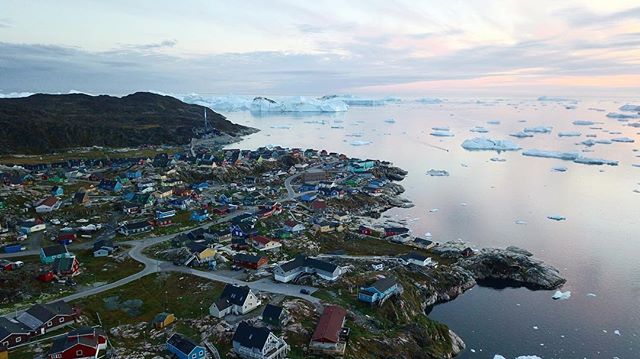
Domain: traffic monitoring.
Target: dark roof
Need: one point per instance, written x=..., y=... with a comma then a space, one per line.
x=182, y=343
x=64, y=264
x=46, y=312
x=196, y=247
x=65, y=343
x=329, y=325
x=304, y=261
x=103, y=243
x=137, y=225
x=249, y=258
x=272, y=313
x=8, y=327
x=235, y=294
x=414, y=255
x=384, y=284
x=55, y=250
x=251, y=337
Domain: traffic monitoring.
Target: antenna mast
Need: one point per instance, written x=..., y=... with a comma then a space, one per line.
x=206, y=123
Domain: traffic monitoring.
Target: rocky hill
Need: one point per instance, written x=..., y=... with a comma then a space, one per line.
x=44, y=123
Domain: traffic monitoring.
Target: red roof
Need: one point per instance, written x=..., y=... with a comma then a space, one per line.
x=328, y=329
x=49, y=202
x=290, y=223
x=262, y=240
x=318, y=204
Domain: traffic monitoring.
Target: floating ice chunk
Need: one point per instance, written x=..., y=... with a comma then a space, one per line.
x=539, y=129
x=559, y=169
x=498, y=159
x=569, y=134
x=557, y=218
x=437, y=173
x=630, y=108
x=440, y=128
x=623, y=139
x=281, y=127
x=360, y=143
x=559, y=295
x=497, y=356
x=479, y=129
x=441, y=134
x=623, y=116
x=390, y=120
x=520, y=134
x=583, y=123
x=521, y=222
x=433, y=210
x=591, y=295
x=569, y=156
x=429, y=101
x=635, y=124
x=463, y=204
x=591, y=142
x=493, y=122
x=487, y=144
x=635, y=164
x=556, y=99
x=428, y=234
x=535, y=327
x=617, y=332
x=596, y=109
x=595, y=161
x=351, y=100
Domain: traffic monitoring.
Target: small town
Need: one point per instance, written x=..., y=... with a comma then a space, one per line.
x=270, y=253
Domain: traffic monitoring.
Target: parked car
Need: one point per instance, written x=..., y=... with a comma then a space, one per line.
x=305, y=291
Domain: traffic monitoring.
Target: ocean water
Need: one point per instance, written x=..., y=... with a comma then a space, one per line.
x=597, y=247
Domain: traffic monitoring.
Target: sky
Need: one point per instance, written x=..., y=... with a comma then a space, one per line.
x=288, y=47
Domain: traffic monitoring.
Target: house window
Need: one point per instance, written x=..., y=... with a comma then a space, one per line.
x=61, y=320
x=193, y=356
x=78, y=352
x=18, y=339
x=5, y=344
x=49, y=324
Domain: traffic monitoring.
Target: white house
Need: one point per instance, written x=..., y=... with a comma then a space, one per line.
x=47, y=205
x=289, y=271
x=234, y=300
x=251, y=342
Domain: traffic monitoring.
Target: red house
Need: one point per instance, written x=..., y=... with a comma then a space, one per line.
x=66, y=266
x=328, y=336
x=164, y=222
x=249, y=261
x=365, y=230
x=83, y=343
x=46, y=276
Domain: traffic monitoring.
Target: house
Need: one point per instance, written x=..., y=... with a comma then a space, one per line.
x=330, y=336
x=103, y=248
x=293, y=227
x=163, y=192
x=48, y=204
x=13, y=333
x=467, y=252
x=199, y=215
x=251, y=342
x=66, y=238
x=165, y=213
x=57, y=191
x=32, y=226
x=81, y=197
x=111, y=186
x=130, y=229
x=423, y=243
x=83, y=343
x=249, y=261
x=163, y=320
x=219, y=236
x=234, y=300
x=239, y=243
x=415, y=258
x=314, y=175
x=308, y=197
x=44, y=318
x=395, y=231
x=185, y=348
x=301, y=265
x=133, y=174
x=318, y=206
x=243, y=230
x=262, y=243
x=202, y=252
x=130, y=207
x=379, y=291
x=51, y=253
x=273, y=315
x=66, y=266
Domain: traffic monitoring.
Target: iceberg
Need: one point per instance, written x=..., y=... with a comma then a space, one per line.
x=437, y=173
x=429, y=101
x=539, y=129
x=559, y=295
x=623, y=139
x=590, y=142
x=390, y=120
x=556, y=99
x=487, y=144
x=441, y=134
x=360, y=143
x=622, y=116
x=229, y=103
x=521, y=222
x=440, y=128
x=595, y=161
x=493, y=122
x=559, y=169
x=520, y=134
x=629, y=108
x=569, y=134
x=557, y=218
x=479, y=129
x=299, y=104
x=351, y=100
x=583, y=123
x=569, y=156
x=498, y=159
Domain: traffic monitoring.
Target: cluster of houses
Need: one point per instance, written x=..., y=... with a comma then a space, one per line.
x=58, y=263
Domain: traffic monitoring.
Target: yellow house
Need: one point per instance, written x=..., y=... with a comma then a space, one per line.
x=202, y=252
x=4, y=354
x=161, y=321
x=206, y=255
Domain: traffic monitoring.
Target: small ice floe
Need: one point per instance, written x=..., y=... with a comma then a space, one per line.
x=521, y=222
x=479, y=129
x=441, y=134
x=433, y=210
x=623, y=139
x=498, y=159
x=487, y=144
x=360, y=143
x=337, y=126
x=437, y=173
x=569, y=134
x=615, y=132
x=635, y=124
x=493, y=122
x=559, y=169
x=559, y=295
x=440, y=128
x=390, y=120
x=428, y=235
x=535, y=327
x=569, y=156
x=591, y=142
x=583, y=123
x=539, y=129
x=520, y=134
x=622, y=116
x=281, y=127
x=629, y=108
x=617, y=332
x=596, y=109
x=557, y=218
x=463, y=204
x=591, y=295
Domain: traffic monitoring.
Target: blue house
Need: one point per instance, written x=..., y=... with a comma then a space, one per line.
x=308, y=197
x=306, y=187
x=49, y=254
x=134, y=174
x=184, y=348
x=165, y=213
x=113, y=186
x=199, y=215
x=200, y=186
x=242, y=230
x=378, y=291
x=57, y=191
